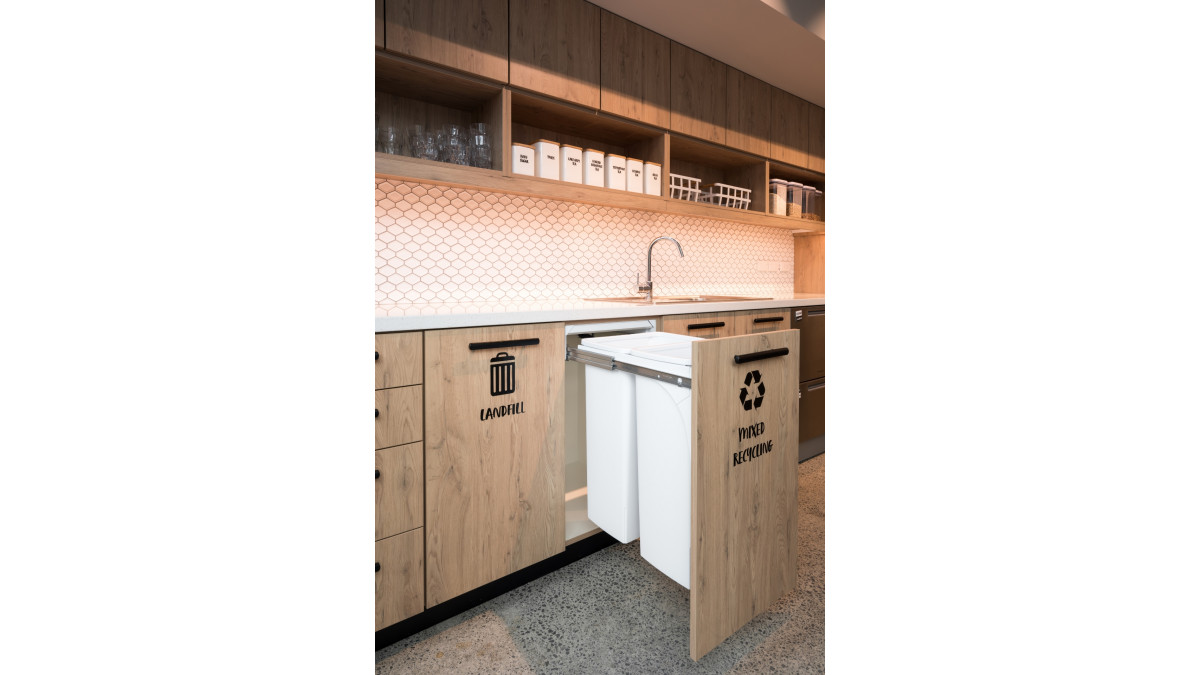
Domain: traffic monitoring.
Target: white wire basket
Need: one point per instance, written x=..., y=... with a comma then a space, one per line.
x=726, y=195
x=685, y=188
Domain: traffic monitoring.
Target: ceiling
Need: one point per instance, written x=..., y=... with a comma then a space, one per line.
x=781, y=42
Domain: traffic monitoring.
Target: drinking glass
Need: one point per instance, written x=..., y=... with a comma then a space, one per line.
x=416, y=140
x=479, y=146
x=389, y=140
x=452, y=144
x=429, y=146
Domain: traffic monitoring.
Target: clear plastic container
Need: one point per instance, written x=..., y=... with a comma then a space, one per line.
x=779, y=196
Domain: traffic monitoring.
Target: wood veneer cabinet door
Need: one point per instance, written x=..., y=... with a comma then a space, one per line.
x=398, y=361
x=708, y=325
x=816, y=137
x=468, y=35
x=762, y=321
x=494, y=453
x=812, y=409
x=397, y=416
x=399, y=577
x=748, y=117
x=399, y=489
x=743, y=539
x=554, y=49
x=635, y=71
x=379, y=26
x=812, y=346
x=789, y=128
x=698, y=91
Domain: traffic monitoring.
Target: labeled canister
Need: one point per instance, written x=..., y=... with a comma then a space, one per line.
x=570, y=162
x=614, y=172
x=546, y=153
x=593, y=167
x=633, y=175
x=522, y=159
x=504, y=374
x=779, y=196
x=652, y=178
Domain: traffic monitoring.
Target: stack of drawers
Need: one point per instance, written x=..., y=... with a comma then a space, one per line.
x=399, y=478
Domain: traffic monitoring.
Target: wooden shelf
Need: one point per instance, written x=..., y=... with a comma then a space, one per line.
x=425, y=171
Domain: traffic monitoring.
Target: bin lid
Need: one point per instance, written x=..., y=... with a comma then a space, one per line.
x=623, y=344
x=674, y=358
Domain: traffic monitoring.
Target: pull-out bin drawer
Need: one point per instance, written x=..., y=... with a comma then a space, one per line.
x=399, y=489
x=398, y=416
x=399, y=577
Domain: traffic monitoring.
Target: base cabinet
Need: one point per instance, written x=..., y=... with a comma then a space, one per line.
x=495, y=453
x=399, y=577
x=812, y=409
x=708, y=325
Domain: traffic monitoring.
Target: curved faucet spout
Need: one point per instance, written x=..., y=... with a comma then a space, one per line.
x=648, y=287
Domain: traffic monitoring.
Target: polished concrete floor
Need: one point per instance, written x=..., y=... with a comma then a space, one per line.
x=614, y=613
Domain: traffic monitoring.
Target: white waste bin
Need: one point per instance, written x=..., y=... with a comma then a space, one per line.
x=664, y=458
x=611, y=409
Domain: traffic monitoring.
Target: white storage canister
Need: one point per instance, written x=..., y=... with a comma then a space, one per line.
x=795, y=202
x=652, y=178
x=593, y=167
x=547, y=158
x=522, y=159
x=570, y=160
x=633, y=175
x=779, y=196
x=810, y=200
x=614, y=172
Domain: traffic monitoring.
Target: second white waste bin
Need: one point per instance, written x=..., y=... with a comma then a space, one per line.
x=664, y=458
x=611, y=409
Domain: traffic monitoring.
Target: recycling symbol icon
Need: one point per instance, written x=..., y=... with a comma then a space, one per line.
x=752, y=396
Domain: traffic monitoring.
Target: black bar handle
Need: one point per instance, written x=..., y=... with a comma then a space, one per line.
x=376, y=474
x=759, y=356
x=816, y=312
x=376, y=356
x=476, y=346
x=698, y=326
x=376, y=567
x=771, y=319
x=377, y=412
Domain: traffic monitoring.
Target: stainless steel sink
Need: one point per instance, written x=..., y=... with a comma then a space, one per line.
x=675, y=299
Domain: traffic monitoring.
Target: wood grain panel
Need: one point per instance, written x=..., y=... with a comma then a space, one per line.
x=748, y=115
x=399, y=419
x=698, y=90
x=635, y=71
x=493, y=487
x=789, y=128
x=812, y=346
x=468, y=35
x=400, y=579
x=744, y=529
x=379, y=24
x=816, y=137
x=812, y=409
x=399, y=362
x=809, y=264
x=399, y=489
x=679, y=324
x=554, y=49
x=744, y=321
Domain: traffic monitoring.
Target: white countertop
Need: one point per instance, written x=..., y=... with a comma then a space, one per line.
x=392, y=317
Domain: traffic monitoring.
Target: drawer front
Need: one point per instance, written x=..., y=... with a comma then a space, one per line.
x=399, y=577
x=398, y=359
x=708, y=325
x=812, y=409
x=399, y=489
x=763, y=321
x=812, y=344
x=398, y=414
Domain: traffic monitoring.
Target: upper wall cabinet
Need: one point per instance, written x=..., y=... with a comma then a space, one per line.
x=748, y=115
x=468, y=35
x=816, y=138
x=554, y=49
x=698, y=90
x=379, y=31
x=635, y=71
x=789, y=128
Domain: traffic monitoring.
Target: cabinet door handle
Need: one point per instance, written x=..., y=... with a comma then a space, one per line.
x=817, y=385
x=376, y=474
x=698, y=326
x=759, y=356
x=376, y=356
x=377, y=412
x=771, y=319
x=816, y=312
x=527, y=342
x=376, y=567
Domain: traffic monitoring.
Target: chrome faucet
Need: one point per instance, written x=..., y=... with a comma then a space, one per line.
x=648, y=287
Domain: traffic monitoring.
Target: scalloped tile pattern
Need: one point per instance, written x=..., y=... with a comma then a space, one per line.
x=443, y=244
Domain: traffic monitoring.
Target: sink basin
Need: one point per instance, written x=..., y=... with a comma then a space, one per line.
x=675, y=299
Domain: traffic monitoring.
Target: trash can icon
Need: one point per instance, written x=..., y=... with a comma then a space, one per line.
x=504, y=374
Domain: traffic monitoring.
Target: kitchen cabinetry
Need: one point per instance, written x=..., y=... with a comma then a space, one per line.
x=399, y=497
x=467, y=35
x=707, y=325
x=698, y=90
x=812, y=345
x=810, y=321
x=635, y=71
x=748, y=115
x=761, y=321
x=379, y=25
x=812, y=412
x=554, y=49
x=494, y=440
x=789, y=128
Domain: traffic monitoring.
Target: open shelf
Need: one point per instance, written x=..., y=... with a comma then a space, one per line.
x=716, y=164
x=805, y=176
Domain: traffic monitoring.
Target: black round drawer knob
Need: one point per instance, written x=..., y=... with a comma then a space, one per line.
x=377, y=412
x=376, y=567
x=376, y=356
x=376, y=474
